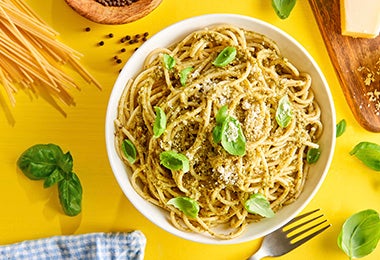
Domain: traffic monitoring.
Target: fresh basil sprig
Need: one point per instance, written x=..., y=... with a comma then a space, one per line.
x=159, y=123
x=174, y=161
x=340, y=127
x=284, y=112
x=313, y=155
x=188, y=206
x=217, y=134
x=283, y=8
x=169, y=61
x=368, y=153
x=228, y=131
x=258, y=204
x=183, y=75
x=48, y=162
x=129, y=150
x=225, y=57
x=360, y=233
x=220, y=117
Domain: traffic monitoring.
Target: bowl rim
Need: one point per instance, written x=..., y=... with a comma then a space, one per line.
x=192, y=24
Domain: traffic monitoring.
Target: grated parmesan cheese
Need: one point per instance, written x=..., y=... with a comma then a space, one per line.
x=227, y=175
x=232, y=132
x=370, y=78
x=253, y=123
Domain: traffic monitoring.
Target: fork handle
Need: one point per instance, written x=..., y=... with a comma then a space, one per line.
x=261, y=253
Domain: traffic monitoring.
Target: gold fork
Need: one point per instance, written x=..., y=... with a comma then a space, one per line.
x=281, y=241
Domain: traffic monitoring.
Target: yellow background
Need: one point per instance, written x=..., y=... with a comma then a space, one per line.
x=29, y=212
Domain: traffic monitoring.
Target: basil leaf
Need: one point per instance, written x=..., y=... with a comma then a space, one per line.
x=226, y=56
x=221, y=115
x=233, y=139
x=70, y=194
x=368, y=153
x=217, y=134
x=187, y=205
x=129, y=150
x=159, y=123
x=183, y=75
x=40, y=160
x=56, y=176
x=66, y=162
x=313, y=155
x=47, y=161
x=174, y=161
x=258, y=204
x=360, y=233
x=284, y=112
x=340, y=127
x=283, y=8
x=169, y=61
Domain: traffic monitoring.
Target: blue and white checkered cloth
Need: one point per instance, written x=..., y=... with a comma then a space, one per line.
x=130, y=246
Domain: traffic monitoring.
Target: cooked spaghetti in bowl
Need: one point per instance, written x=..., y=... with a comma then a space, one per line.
x=215, y=129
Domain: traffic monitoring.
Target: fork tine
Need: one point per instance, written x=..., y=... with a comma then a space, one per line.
x=307, y=238
x=287, y=231
x=300, y=233
x=306, y=230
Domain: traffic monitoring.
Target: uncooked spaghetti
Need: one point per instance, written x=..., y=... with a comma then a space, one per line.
x=31, y=57
x=251, y=87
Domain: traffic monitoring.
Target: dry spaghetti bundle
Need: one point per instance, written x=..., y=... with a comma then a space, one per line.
x=31, y=57
x=251, y=87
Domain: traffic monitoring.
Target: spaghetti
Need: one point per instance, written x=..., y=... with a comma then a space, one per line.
x=31, y=57
x=251, y=86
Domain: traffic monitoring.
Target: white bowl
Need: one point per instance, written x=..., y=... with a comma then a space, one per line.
x=290, y=49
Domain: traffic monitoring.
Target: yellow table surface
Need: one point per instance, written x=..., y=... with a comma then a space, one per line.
x=29, y=212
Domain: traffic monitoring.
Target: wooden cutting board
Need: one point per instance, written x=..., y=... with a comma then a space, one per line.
x=356, y=61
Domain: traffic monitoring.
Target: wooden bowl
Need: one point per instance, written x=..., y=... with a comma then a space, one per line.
x=99, y=13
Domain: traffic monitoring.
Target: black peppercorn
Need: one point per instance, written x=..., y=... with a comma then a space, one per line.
x=116, y=3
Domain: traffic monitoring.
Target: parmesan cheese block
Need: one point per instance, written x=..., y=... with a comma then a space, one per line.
x=360, y=18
